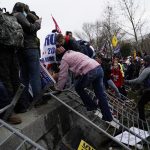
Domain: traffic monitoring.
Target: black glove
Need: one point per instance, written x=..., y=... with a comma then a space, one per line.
x=127, y=82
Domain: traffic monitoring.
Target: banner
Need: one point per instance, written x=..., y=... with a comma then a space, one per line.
x=85, y=146
x=46, y=78
x=114, y=41
x=48, y=55
x=115, y=44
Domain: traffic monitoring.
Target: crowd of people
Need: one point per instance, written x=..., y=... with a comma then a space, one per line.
x=22, y=65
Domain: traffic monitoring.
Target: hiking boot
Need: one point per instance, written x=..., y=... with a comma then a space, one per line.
x=14, y=119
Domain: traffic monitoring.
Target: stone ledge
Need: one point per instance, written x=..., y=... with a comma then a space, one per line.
x=49, y=124
x=35, y=123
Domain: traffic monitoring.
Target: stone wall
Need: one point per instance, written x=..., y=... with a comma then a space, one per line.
x=53, y=126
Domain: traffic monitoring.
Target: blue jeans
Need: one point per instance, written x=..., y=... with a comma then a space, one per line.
x=30, y=73
x=94, y=77
x=113, y=86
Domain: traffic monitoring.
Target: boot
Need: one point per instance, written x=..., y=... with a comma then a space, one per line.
x=14, y=119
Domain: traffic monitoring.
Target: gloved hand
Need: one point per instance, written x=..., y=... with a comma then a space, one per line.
x=39, y=20
x=127, y=82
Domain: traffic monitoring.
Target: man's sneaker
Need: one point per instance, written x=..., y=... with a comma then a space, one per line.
x=14, y=119
x=98, y=113
x=114, y=123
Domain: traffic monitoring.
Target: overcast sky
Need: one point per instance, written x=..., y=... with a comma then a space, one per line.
x=69, y=14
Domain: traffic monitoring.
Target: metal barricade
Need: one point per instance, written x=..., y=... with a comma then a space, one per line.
x=125, y=123
x=9, y=108
x=22, y=142
x=10, y=132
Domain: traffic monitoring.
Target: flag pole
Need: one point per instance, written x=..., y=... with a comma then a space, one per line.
x=56, y=24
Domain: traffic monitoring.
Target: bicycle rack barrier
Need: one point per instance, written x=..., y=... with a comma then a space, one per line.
x=11, y=132
x=24, y=141
x=126, y=129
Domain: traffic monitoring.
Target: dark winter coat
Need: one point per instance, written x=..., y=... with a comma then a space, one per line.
x=30, y=39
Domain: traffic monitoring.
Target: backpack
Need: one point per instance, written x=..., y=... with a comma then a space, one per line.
x=87, y=49
x=11, y=32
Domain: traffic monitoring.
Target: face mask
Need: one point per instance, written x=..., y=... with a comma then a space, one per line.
x=25, y=14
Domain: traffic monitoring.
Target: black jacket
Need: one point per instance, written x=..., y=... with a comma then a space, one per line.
x=30, y=39
x=70, y=45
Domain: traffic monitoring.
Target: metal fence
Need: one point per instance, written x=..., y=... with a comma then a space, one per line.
x=9, y=132
x=126, y=129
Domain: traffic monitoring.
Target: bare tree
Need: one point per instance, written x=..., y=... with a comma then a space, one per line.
x=92, y=32
x=131, y=11
x=88, y=32
x=102, y=31
x=98, y=34
x=110, y=27
x=80, y=35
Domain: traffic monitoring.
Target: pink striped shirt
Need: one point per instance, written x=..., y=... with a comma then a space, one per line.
x=77, y=62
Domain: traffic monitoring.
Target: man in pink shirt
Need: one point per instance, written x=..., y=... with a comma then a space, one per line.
x=88, y=71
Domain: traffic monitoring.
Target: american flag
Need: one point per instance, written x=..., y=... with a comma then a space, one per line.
x=56, y=25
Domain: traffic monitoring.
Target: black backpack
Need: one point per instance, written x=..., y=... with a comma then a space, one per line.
x=11, y=32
